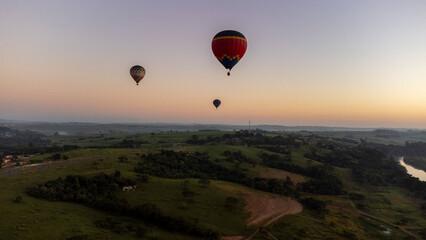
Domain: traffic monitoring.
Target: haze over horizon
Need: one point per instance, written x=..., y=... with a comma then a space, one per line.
x=318, y=63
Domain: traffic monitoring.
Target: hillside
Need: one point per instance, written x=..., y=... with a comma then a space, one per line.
x=198, y=185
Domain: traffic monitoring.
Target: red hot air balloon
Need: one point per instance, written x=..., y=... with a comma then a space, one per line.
x=137, y=72
x=229, y=47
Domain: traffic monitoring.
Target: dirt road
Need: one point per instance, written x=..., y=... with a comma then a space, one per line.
x=264, y=209
x=41, y=166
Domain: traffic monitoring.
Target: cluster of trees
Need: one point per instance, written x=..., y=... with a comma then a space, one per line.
x=151, y=213
x=323, y=181
x=171, y=164
x=356, y=196
x=100, y=192
x=410, y=148
x=417, y=162
x=328, y=185
x=98, y=189
x=58, y=156
x=368, y=165
x=415, y=149
x=388, y=149
x=237, y=156
x=314, y=204
x=371, y=166
x=275, y=161
x=414, y=152
x=282, y=187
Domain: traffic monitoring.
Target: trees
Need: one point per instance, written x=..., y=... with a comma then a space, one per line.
x=55, y=156
x=171, y=164
x=100, y=192
x=314, y=204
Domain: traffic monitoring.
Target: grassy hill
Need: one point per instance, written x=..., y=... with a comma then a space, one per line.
x=367, y=210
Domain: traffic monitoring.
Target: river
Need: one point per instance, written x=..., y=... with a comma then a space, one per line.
x=413, y=171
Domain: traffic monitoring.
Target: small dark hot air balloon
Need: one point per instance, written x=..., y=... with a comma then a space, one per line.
x=216, y=103
x=229, y=47
x=137, y=72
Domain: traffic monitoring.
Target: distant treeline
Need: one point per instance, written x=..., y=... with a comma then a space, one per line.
x=100, y=192
x=129, y=143
x=245, y=137
x=410, y=148
x=12, y=139
x=47, y=149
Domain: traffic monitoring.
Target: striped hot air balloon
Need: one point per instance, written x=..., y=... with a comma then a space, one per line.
x=229, y=47
x=137, y=72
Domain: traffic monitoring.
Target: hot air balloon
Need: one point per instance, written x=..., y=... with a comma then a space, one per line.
x=137, y=72
x=229, y=47
x=216, y=103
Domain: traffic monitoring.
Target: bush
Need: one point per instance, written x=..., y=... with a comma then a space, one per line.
x=17, y=199
x=356, y=196
x=55, y=156
x=314, y=204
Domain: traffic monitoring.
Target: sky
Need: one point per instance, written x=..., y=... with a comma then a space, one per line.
x=308, y=62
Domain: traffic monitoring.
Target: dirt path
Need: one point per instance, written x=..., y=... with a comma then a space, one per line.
x=233, y=238
x=270, y=235
x=41, y=166
x=264, y=209
x=15, y=170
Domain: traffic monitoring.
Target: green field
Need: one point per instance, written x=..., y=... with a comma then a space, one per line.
x=35, y=218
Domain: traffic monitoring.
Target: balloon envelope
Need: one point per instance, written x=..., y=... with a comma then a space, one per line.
x=137, y=72
x=216, y=103
x=229, y=47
